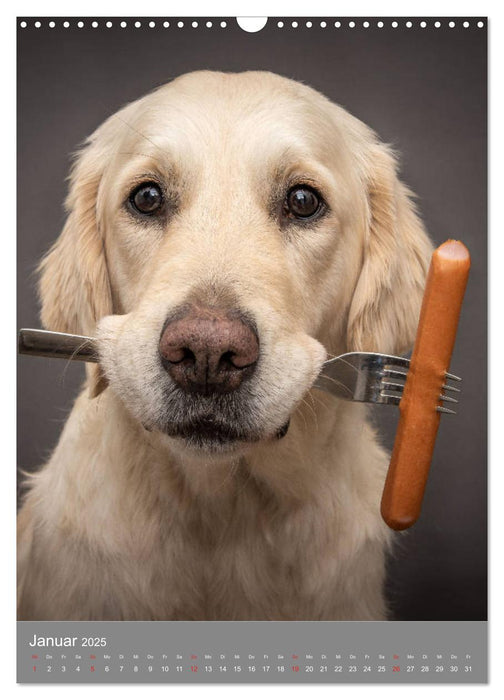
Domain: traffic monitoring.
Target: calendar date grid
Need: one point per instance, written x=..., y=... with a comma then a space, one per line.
x=252, y=652
x=250, y=663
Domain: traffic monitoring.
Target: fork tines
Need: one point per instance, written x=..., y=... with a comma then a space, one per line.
x=448, y=399
x=392, y=390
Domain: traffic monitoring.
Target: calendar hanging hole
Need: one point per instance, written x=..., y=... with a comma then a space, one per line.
x=252, y=24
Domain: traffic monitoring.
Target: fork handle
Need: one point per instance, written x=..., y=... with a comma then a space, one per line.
x=32, y=341
x=430, y=360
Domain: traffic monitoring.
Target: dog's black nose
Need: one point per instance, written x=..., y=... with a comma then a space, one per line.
x=209, y=350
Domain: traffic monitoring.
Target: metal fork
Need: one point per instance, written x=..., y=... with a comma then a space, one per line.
x=369, y=377
x=66, y=346
x=374, y=378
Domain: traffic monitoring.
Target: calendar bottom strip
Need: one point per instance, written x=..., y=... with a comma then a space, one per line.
x=252, y=652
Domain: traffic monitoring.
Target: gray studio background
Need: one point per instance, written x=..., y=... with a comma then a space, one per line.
x=422, y=89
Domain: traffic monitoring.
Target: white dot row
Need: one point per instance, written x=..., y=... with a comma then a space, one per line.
x=366, y=24
x=123, y=24
x=294, y=24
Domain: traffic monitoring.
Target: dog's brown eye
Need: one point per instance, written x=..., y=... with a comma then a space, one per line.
x=147, y=199
x=302, y=203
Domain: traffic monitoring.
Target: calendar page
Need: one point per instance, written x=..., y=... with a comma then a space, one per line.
x=212, y=210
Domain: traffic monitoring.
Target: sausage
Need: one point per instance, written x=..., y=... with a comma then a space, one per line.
x=430, y=360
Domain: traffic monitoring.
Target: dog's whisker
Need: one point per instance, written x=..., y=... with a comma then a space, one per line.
x=137, y=153
x=318, y=400
x=337, y=382
x=314, y=400
x=322, y=405
x=68, y=363
x=130, y=126
x=348, y=364
x=310, y=396
x=229, y=475
x=300, y=412
x=310, y=407
x=245, y=483
x=313, y=412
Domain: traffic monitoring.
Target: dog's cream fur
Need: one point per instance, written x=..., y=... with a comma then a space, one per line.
x=125, y=522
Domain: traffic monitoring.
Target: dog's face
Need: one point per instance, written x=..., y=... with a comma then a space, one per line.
x=225, y=234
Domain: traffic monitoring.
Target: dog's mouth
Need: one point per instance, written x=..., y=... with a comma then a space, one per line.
x=215, y=423
x=209, y=431
x=211, y=434
x=256, y=411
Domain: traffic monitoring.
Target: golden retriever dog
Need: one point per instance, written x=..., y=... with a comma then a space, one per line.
x=226, y=234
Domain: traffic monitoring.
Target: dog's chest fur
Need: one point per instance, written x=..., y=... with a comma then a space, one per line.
x=167, y=540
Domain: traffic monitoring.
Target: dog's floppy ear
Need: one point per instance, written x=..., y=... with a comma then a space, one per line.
x=74, y=285
x=386, y=303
